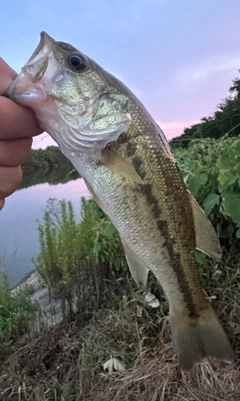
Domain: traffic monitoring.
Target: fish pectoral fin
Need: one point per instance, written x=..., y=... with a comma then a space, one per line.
x=116, y=163
x=206, y=237
x=138, y=269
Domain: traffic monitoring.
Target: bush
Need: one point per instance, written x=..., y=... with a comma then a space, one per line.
x=211, y=170
x=16, y=311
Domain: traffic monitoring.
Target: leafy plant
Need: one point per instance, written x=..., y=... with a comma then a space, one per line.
x=211, y=170
x=108, y=247
x=16, y=310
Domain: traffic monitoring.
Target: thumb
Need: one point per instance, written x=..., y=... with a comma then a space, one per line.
x=7, y=76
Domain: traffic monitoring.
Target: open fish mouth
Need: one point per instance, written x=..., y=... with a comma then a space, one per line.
x=30, y=84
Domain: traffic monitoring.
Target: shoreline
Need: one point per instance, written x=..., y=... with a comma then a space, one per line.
x=23, y=280
x=50, y=308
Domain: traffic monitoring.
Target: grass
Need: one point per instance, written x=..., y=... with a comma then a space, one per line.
x=67, y=362
x=70, y=250
x=112, y=321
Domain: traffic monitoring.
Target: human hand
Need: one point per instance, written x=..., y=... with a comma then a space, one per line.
x=17, y=126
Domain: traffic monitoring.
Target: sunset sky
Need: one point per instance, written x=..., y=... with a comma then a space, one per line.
x=178, y=57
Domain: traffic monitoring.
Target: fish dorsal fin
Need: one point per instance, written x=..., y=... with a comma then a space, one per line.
x=138, y=269
x=206, y=238
x=116, y=163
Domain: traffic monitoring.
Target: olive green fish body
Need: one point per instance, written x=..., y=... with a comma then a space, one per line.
x=155, y=217
x=131, y=172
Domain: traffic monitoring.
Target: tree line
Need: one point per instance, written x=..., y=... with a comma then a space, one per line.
x=225, y=121
x=47, y=159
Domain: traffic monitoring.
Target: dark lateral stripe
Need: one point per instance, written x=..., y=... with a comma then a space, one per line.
x=174, y=256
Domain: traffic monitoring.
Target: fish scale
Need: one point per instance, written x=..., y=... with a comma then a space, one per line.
x=135, y=220
x=131, y=172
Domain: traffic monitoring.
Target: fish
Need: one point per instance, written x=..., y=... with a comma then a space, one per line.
x=130, y=170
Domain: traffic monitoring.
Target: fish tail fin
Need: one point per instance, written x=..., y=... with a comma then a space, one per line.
x=195, y=339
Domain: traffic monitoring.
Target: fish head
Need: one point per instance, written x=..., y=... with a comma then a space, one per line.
x=72, y=96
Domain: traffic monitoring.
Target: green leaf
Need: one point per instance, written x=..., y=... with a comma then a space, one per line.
x=194, y=185
x=238, y=233
x=203, y=177
x=117, y=263
x=231, y=179
x=193, y=165
x=224, y=162
x=109, y=230
x=210, y=201
x=124, y=265
x=96, y=248
x=237, y=166
x=237, y=146
x=201, y=258
x=186, y=177
x=222, y=178
x=231, y=207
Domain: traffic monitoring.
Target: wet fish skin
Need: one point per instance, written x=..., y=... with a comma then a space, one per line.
x=131, y=172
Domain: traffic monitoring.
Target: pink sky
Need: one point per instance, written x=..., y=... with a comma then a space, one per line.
x=173, y=129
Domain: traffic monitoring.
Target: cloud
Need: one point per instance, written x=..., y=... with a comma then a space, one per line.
x=173, y=129
x=200, y=72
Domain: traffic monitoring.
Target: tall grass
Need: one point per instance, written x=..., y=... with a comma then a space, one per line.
x=78, y=256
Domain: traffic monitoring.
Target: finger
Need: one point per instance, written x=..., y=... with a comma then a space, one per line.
x=17, y=121
x=15, y=152
x=7, y=75
x=10, y=180
x=2, y=202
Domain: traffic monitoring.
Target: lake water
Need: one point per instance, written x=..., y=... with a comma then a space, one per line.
x=19, y=221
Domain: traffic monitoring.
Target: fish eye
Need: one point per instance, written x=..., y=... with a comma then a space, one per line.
x=76, y=63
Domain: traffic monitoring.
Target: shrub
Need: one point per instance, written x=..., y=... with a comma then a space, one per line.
x=16, y=310
x=211, y=170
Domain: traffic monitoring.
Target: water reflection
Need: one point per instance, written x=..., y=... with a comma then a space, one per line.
x=51, y=176
x=18, y=223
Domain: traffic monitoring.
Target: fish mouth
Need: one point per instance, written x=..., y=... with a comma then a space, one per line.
x=44, y=47
x=29, y=85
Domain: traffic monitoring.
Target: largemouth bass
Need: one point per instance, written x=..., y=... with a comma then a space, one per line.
x=129, y=168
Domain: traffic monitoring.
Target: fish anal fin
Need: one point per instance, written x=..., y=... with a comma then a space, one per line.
x=138, y=269
x=195, y=339
x=206, y=237
x=116, y=163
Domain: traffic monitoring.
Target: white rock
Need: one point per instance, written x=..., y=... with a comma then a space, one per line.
x=155, y=303
x=113, y=364
x=149, y=297
x=151, y=300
